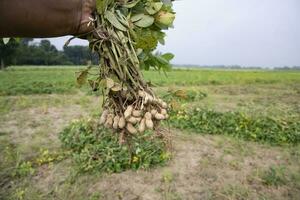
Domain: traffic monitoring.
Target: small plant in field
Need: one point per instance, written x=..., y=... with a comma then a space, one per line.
x=234, y=192
x=95, y=196
x=184, y=95
x=95, y=148
x=274, y=176
x=12, y=166
x=19, y=194
x=24, y=169
x=46, y=157
x=167, y=187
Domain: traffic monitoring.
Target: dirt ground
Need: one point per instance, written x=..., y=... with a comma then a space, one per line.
x=202, y=167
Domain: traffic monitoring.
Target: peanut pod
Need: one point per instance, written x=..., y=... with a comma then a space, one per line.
x=130, y=128
x=149, y=124
x=103, y=117
x=142, y=93
x=159, y=116
x=142, y=125
x=128, y=112
x=153, y=112
x=137, y=113
x=148, y=115
x=163, y=111
x=164, y=105
x=122, y=123
x=109, y=121
x=116, y=122
x=133, y=120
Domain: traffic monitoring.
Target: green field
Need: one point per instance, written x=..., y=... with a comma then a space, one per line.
x=236, y=135
x=50, y=80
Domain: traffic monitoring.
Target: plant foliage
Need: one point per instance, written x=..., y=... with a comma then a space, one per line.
x=237, y=124
x=125, y=36
x=95, y=148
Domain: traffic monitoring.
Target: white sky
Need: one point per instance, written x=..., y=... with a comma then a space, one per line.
x=248, y=33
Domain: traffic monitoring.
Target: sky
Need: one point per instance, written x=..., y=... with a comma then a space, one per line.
x=262, y=33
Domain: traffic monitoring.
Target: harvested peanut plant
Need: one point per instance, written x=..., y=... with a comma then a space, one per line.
x=126, y=34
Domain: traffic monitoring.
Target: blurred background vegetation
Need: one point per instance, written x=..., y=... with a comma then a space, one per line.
x=27, y=52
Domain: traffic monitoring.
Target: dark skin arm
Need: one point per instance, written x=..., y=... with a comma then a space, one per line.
x=45, y=18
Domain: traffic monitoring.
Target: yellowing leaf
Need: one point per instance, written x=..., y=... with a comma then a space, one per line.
x=109, y=83
x=165, y=18
x=81, y=78
x=94, y=85
x=116, y=88
x=146, y=40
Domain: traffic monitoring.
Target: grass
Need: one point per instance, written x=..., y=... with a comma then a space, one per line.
x=38, y=103
x=275, y=176
x=222, y=77
x=21, y=102
x=58, y=80
x=38, y=80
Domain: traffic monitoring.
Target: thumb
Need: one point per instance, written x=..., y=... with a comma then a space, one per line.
x=88, y=8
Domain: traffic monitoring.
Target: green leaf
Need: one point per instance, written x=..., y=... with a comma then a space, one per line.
x=137, y=17
x=162, y=60
x=145, y=21
x=161, y=41
x=167, y=2
x=131, y=4
x=102, y=5
x=102, y=83
x=146, y=39
x=81, y=78
x=111, y=17
x=154, y=7
x=6, y=40
x=17, y=39
x=122, y=19
x=94, y=84
x=168, y=56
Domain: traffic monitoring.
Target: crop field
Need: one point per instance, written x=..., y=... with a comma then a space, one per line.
x=235, y=135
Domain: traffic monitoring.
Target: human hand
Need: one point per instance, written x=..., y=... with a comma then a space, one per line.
x=45, y=18
x=88, y=8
